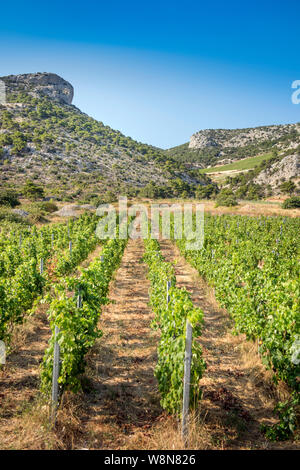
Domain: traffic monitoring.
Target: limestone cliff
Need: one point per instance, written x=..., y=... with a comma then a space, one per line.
x=39, y=84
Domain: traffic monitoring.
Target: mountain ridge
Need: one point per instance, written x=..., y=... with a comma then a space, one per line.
x=241, y=137
x=46, y=139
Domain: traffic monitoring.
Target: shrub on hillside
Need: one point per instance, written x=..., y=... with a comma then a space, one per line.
x=33, y=191
x=110, y=196
x=227, y=198
x=205, y=192
x=254, y=192
x=47, y=206
x=288, y=187
x=292, y=203
x=9, y=198
x=36, y=214
x=6, y=216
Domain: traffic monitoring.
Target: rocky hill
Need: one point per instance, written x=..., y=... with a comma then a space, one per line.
x=41, y=84
x=218, y=146
x=286, y=169
x=213, y=147
x=46, y=139
x=280, y=136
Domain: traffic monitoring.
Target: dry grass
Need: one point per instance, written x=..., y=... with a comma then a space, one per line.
x=270, y=207
x=261, y=377
x=23, y=333
x=166, y=435
x=31, y=427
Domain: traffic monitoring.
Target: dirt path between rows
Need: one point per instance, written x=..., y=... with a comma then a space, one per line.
x=238, y=395
x=123, y=401
x=20, y=379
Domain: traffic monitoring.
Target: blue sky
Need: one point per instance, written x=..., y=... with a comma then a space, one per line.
x=160, y=71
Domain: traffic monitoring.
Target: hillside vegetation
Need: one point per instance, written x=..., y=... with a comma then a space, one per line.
x=49, y=141
x=49, y=146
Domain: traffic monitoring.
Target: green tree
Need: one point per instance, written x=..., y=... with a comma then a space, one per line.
x=226, y=197
x=205, y=192
x=33, y=191
x=292, y=203
x=19, y=143
x=254, y=192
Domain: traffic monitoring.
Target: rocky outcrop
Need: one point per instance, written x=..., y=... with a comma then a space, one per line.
x=20, y=213
x=203, y=139
x=286, y=169
x=67, y=211
x=224, y=138
x=41, y=84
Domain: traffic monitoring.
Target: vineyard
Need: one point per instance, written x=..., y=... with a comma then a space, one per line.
x=171, y=314
x=116, y=312
x=254, y=268
x=30, y=258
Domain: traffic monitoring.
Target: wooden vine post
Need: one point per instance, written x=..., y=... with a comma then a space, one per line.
x=79, y=300
x=187, y=382
x=55, y=377
x=168, y=288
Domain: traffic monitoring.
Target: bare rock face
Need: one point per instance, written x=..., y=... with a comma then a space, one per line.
x=284, y=170
x=203, y=139
x=67, y=211
x=39, y=84
x=20, y=212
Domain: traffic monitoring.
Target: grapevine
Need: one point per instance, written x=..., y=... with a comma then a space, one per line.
x=253, y=265
x=171, y=318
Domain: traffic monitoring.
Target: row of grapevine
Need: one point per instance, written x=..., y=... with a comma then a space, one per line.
x=17, y=295
x=17, y=249
x=253, y=265
x=25, y=282
x=78, y=324
x=83, y=242
x=41, y=243
x=170, y=318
